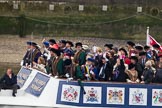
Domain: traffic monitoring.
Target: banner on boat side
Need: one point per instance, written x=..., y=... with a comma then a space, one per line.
x=138, y=96
x=22, y=76
x=38, y=84
x=156, y=97
x=115, y=95
x=70, y=93
x=94, y=94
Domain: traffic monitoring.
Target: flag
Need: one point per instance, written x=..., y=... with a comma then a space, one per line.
x=151, y=41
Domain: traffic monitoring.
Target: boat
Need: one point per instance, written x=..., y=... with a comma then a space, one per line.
x=38, y=89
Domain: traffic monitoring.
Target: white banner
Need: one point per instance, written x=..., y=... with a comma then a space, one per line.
x=156, y=97
x=137, y=96
x=93, y=95
x=70, y=93
x=115, y=95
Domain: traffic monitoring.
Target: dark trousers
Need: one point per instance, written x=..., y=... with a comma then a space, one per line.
x=13, y=87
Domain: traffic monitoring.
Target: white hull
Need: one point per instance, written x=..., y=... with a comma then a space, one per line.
x=52, y=95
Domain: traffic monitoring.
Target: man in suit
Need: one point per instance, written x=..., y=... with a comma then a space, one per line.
x=142, y=59
x=9, y=81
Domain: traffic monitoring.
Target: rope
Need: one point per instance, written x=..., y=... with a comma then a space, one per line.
x=99, y=23
x=152, y=16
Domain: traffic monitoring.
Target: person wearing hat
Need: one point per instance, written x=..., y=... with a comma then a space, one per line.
x=57, y=63
x=131, y=50
x=26, y=60
x=32, y=54
x=156, y=52
x=138, y=49
x=146, y=48
x=69, y=49
x=138, y=66
x=105, y=72
x=52, y=42
x=149, y=52
x=46, y=52
x=107, y=47
x=69, y=44
x=35, y=53
x=122, y=53
x=132, y=74
x=142, y=59
x=119, y=74
x=89, y=70
x=62, y=45
x=80, y=55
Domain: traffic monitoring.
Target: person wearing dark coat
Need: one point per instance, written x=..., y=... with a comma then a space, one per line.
x=142, y=59
x=57, y=64
x=26, y=58
x=33, y=54
x=138, y=66
x=158, y=75
x=80, y=55
x=119, y=74
x=148, y=73
x=9, y=81
x=106, y=69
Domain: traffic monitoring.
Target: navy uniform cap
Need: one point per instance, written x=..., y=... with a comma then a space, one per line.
x=91, y=59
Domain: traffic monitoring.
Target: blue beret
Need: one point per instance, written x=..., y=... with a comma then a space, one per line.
x=46, y=43
x=31, y=43
x=91, y=59
x=28, y=42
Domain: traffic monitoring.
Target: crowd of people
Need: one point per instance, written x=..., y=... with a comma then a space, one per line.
x=132, y=63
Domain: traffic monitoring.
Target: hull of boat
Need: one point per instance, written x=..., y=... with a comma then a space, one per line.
x=40, y=90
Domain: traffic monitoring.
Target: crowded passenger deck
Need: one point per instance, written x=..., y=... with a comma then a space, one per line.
x=59, y=74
